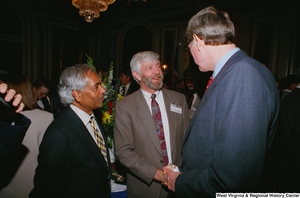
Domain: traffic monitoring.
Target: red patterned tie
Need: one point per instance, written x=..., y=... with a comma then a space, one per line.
x=209, y=82
x=156, y=115
x=191, y=101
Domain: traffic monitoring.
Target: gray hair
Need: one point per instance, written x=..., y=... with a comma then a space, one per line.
x=213, y=26
x=72, y=78
x=140, y=57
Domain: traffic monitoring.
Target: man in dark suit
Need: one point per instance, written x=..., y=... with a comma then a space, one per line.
x=129, y=84
x=287, y=85
x=41, y=88
x=73, y=157
x=287, y=143
x=137, y=144
x=227, y=141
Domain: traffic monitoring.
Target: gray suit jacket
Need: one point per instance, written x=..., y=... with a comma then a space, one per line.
x=137, y=145
x=231, y=132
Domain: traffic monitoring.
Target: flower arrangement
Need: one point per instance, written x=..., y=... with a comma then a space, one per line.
x=113, y=93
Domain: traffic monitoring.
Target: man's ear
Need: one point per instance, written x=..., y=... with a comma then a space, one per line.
x=136, y=76
x=76, y=95
x=198, y=41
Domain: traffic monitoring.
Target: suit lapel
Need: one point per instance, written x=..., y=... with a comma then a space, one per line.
x=214, y=83
x=84, y=135
x=145, y=117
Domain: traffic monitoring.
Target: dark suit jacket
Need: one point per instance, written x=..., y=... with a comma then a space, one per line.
x=137, y=145
x=231, y=131
x=46, y=103
x=287, y=172
x=69, y=163
x=11, y=137
x=133, y=87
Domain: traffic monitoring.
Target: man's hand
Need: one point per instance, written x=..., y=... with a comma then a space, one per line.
x=172, y=173
x=160, y=176
x=11, y=94
x=172, y=176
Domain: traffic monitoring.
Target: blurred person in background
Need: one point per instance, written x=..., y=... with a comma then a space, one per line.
x=130, y=85
x=286, y=149
x=12, y=132
x=41, y=88
x=23, y=168
x=287, y=85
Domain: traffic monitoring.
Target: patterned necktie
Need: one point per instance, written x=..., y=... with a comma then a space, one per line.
x=123, y=90
x=156, y=115
x=209, y=82
x=99, y=139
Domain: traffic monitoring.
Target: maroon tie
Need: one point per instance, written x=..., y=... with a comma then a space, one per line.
x=156, y=115
x=209, y=82
x=191, y=101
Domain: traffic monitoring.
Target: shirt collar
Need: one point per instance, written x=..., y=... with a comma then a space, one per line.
x=223, y=60
x=81, y=114
x=148, y=95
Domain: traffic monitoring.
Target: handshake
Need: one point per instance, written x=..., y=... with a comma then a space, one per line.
x=167, y=176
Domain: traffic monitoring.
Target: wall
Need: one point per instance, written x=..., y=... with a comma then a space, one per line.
x=41, y=38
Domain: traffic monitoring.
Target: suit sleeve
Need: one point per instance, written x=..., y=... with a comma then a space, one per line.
x=54, y=165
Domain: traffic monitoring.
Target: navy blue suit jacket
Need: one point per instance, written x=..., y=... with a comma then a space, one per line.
x=69, y=163
x=231, y=131
x=11, y=137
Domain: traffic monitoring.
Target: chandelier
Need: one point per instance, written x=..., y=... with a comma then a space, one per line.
x=91, y=9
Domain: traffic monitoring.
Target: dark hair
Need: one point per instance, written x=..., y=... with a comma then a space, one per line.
x=42, y=82
x=3, y=75
x=287, y=81
x=127, y=72
x=22, y=85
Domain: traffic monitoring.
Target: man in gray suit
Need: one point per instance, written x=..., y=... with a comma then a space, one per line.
x=137, y=143
x=73, y=157
x=229, y=137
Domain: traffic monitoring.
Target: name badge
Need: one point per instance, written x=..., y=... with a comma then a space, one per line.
x=176, y=108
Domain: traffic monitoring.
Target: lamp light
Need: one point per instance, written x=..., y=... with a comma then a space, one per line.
x=90, y=9
x=164, y=67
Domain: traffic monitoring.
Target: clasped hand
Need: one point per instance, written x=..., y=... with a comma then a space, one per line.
x=170, y=173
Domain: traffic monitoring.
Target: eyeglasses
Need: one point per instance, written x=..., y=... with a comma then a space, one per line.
x=41, y=93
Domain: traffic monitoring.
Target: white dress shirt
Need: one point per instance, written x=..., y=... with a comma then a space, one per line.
x=85, y=118
x=160, y=100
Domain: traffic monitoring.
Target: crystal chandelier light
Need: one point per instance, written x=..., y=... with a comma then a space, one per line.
x=91, y=9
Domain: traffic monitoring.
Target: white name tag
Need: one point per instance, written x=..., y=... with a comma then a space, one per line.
x=176, y=108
